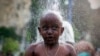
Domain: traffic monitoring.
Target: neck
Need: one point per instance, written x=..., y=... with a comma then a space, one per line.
x=51, y=46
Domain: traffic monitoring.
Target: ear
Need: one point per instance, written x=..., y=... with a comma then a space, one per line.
x=39, y=29
x=62, y=29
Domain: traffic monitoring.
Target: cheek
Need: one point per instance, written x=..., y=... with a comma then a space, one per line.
x=57, y=34
x=60, y=32
x=43, y=33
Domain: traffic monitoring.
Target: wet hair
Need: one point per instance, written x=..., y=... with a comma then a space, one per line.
x=56, y=13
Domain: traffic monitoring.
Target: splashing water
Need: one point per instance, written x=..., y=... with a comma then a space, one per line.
x=68, y=34
x=53, y=5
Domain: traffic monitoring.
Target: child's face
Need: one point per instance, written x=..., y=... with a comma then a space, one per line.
x=50, y=29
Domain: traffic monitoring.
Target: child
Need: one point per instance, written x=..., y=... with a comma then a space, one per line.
x=84, y=48
x=50, y=29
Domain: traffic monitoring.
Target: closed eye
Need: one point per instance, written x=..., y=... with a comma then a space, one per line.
x=45, y=28
x=55, y=27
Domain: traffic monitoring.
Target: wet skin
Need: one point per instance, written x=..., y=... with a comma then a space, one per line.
x=50, y=29
x=39, y=50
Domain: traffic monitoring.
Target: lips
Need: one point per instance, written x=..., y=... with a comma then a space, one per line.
x=50, y=38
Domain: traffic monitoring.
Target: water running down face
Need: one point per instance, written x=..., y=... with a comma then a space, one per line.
x=50, y=28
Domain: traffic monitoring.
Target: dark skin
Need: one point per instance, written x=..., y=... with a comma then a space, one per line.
x=50, y=29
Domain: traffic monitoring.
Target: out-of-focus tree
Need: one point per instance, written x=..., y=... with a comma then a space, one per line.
x=36, y=9
x=8, y=32
x=33, y=22
x=10, y=45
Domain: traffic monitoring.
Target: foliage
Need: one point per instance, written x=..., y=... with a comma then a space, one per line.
x=35, y=6
x=10, y=45
x=32, y=26
x=28, y=36
x=8, y=32
x=76, y=34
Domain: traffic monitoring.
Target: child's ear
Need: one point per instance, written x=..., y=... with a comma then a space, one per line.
x=62, y=29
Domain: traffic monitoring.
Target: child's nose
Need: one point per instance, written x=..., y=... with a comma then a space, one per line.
x=50, y=31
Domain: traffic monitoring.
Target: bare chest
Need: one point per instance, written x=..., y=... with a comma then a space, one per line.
x=60, y=52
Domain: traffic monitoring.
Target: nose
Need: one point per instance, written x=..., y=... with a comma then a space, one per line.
x=49, y=31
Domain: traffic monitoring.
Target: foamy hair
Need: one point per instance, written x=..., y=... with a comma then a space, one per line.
x=56, y=13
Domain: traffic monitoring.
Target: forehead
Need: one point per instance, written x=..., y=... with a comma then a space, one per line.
x=50, y=19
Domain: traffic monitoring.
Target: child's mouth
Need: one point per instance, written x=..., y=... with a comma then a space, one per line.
x=50, y=38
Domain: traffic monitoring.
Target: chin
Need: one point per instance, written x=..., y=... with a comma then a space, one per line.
x=51, y=43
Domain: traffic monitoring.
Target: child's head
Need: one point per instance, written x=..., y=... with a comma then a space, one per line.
x=84, y=47
x=51, y=27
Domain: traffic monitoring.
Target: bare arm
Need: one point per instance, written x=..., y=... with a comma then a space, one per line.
x=30, y=51
x=72, y=50
x=27, y=53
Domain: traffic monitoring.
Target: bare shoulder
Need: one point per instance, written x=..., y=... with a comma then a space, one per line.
x=31, y=49
x=33, y=46
x=71, y=49
x=69, y=46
